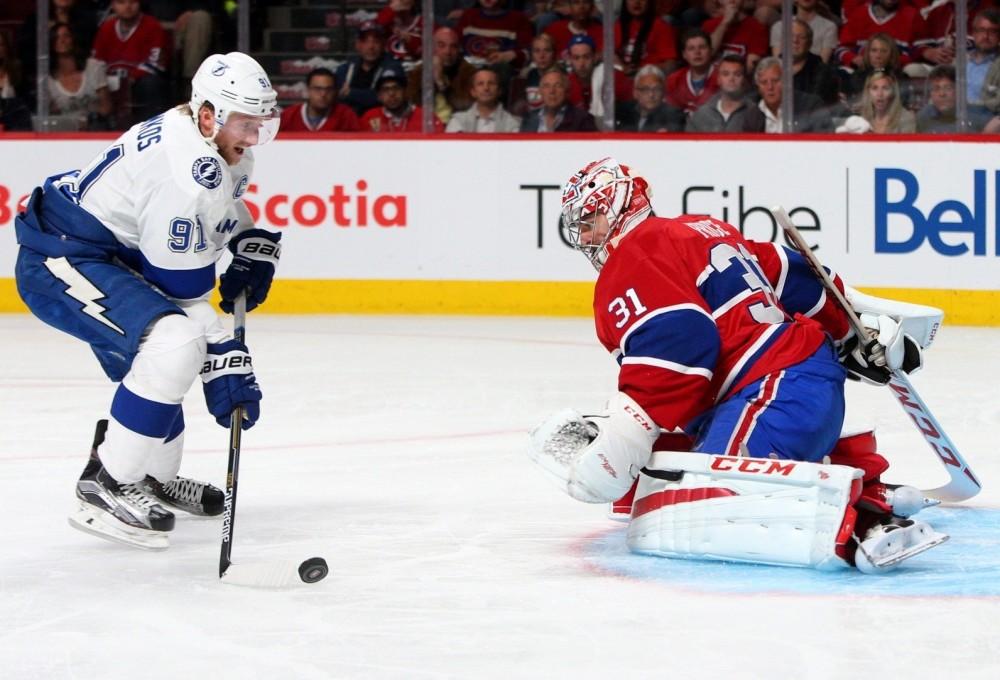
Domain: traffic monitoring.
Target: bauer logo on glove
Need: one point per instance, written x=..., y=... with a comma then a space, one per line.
x=255, y=256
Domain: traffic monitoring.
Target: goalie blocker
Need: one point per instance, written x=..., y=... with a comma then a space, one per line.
x=764, y=511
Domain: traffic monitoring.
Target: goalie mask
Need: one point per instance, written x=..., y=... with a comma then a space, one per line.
x=239, y=90
x=604, y=187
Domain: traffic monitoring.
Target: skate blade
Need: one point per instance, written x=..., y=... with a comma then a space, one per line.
x=90, y=520
x=893, y=560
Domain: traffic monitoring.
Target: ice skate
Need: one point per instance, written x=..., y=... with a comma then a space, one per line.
x=124, y=513
x=886, y=545
x=189, y=495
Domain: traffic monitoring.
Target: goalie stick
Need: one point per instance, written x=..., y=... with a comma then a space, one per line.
x=962, y=484
x=272, y=575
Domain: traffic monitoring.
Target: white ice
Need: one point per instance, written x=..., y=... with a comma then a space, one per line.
x=394, y=448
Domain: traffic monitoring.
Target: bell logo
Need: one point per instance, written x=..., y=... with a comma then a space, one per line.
x=911, y=227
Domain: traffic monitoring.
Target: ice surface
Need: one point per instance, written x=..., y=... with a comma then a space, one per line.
x=393, y=447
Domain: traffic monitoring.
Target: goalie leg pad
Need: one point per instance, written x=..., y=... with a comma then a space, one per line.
x=595, y=459
x=766, y=511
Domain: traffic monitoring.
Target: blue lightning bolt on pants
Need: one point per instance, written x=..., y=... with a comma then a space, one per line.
x=68, y=276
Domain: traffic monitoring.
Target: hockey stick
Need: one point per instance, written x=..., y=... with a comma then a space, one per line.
x=274, y=575
x=963, y=484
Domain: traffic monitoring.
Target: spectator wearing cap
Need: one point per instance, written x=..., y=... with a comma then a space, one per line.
x=581, y=57
x=356, y=77
x=581, y=21
x=396, y=113
x=556, y=114
x=452, y=76
x=320, y=112
x=487, y=114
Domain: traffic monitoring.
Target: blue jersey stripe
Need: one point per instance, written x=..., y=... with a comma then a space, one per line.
x=683, y=336
x=801, y=291
x=182, y=284
x=144, y=416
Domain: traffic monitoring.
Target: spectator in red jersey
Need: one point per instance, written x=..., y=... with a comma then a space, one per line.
x=938, y=44
x=492, y=34
x=727, y=109
x=556, y=114
x=648, y=39
x=452, y=76
x=137, y=51
x=581, y=61
x=396, y=114
x=581, y=21
x=320, y=112
x=403, y=26
x=77, y=85
x=902, y=22
x=736, y=31
x=356, y=77
x=692, y=85
x=524, y=93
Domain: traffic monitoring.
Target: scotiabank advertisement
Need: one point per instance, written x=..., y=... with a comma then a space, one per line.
x=885, y=214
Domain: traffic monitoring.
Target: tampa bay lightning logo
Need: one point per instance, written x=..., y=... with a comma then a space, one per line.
x=241, y=187
x=220, y=68
x=207, y=172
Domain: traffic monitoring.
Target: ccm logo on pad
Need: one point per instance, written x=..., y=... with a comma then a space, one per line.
x=753, y=465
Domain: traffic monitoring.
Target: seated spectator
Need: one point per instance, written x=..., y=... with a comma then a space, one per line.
x=727, y=109
x=581, y=21
x=902, y=23
x=881, y=53
x=14, y=113
x=691, y=86
x=824, y=31
x=524, y=93
x=77, y=85
x=357, y=75
x=647, y=38
x=136, y=50
x=983, y=55
x=82, y=17
x=767, y=115
x=581, y=62
x=403, y=25
x=736, y=31
x=938, y=115
x=647, y=112
x=556, y=114
x=882, y=106
x=396, y=113
x=487, y=114
x=810, y=73
x=320, y=112
x=452, y=76
x=493, y=34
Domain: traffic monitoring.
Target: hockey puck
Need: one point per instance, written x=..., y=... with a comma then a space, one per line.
x=314, y=569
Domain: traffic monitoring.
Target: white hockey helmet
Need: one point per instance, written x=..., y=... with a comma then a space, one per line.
x=236, y=83
x=608, y=188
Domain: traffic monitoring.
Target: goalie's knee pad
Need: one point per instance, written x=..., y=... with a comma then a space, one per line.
x=168, y=360
x=595, y=459
x=782, y=512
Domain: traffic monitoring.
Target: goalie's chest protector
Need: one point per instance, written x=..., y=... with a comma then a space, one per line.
x=689, y=314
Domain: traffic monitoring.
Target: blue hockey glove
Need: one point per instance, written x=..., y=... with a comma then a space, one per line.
x=229, y=382
x=255, y=256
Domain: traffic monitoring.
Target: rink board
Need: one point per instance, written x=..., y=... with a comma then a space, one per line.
x=470, y=226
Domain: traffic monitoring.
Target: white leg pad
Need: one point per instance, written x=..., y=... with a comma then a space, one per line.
x=780, y=512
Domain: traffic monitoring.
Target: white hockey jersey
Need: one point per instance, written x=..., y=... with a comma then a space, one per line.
x=170, y=200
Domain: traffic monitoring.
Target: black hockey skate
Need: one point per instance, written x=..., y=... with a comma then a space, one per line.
x=118, y=512
x=189, y=495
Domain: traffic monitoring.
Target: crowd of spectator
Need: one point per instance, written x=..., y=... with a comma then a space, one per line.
x=861, y=66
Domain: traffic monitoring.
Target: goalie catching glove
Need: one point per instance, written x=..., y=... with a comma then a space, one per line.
x=595, y=459
x=255, y=257
x=886, y=349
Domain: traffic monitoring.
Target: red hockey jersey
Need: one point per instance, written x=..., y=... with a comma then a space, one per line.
x=692, y=312
x=142, y=50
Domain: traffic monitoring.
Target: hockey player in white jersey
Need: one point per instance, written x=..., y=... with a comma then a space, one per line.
x=122, y=254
